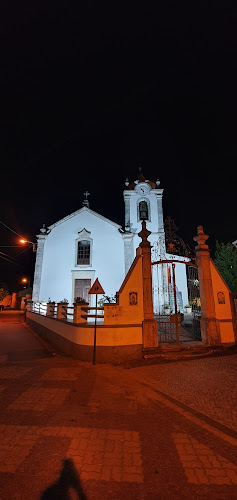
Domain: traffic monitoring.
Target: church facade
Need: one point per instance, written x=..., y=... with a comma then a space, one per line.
x=84, y=246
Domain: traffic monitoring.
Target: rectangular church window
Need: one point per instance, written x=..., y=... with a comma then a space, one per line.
x=83, y=252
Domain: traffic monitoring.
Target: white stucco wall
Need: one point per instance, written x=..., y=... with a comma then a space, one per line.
x=59, y=267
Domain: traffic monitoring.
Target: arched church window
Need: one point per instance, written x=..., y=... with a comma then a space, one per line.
x=83, y=252
x=143, y=210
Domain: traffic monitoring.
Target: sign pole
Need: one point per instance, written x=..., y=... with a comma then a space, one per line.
x=94, y=350
x=96, y=289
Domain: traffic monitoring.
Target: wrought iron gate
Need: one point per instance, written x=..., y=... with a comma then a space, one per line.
x=169, y=310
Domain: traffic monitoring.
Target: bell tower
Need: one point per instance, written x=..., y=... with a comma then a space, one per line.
x=143, y=201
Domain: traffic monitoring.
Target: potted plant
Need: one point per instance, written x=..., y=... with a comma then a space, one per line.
x=188, y=308
x=106, y=299
x=166, y=309
x=80, y=301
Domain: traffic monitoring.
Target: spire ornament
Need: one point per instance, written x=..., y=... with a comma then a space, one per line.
x=201, y=239
x=43, y=230
x=144, y=233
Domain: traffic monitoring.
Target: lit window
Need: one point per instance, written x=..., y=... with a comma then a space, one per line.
x=143, y=210
x=83, y=252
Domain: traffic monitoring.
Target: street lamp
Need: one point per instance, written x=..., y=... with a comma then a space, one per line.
x=43, y=230
x=23, y=241
x=26, y=281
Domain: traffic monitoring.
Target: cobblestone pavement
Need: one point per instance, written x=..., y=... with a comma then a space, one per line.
x=71, y=430
x=207, y=385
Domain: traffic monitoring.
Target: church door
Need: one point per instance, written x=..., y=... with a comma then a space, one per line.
x=82, y=288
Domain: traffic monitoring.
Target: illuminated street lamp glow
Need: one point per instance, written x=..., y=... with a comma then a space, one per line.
x=23, y=241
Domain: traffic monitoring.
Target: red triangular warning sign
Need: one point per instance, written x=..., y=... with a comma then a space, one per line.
x=96, y=288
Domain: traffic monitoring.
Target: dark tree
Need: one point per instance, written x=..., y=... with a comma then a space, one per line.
x=226, y=262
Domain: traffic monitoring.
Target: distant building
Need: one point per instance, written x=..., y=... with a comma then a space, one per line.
x=15, y=300
x=85, y=245
x=23, y=295
x=9, y=301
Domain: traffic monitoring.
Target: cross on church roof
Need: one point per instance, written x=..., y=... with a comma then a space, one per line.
x=85, y=202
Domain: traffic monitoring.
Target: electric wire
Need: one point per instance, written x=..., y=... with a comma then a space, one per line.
x=10, y=229
x=12, y=261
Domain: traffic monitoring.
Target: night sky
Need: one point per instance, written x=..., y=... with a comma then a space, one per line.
x=91, y=92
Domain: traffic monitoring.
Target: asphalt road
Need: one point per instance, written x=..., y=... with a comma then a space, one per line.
x=71, y=430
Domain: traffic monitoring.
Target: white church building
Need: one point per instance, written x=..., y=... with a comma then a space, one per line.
x=85, y=245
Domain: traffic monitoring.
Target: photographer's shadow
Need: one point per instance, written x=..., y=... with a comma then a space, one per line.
x=68, y=480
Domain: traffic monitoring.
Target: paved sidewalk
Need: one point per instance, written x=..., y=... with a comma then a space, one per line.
x=71, y=430
x=207, y=385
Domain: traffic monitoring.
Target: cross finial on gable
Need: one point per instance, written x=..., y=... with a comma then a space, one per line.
x=85, y=202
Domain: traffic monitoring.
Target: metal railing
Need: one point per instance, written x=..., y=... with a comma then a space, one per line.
x=67, y=313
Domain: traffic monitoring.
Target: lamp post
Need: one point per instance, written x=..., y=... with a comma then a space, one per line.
x=23, y=241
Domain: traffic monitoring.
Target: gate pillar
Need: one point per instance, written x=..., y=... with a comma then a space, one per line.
x=149, y=325
x=209, y=325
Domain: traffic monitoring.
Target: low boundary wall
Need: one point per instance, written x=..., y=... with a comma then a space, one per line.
x=114, y=344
